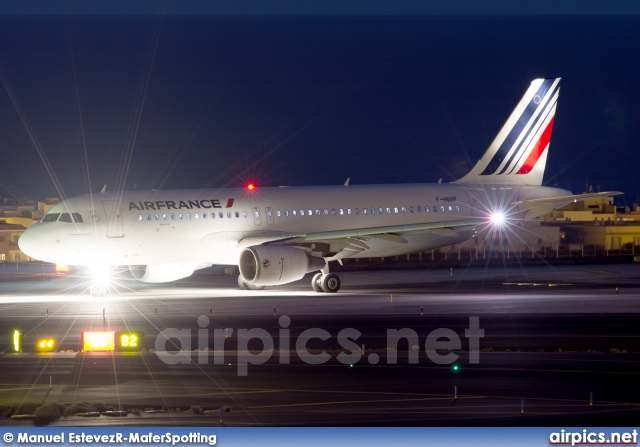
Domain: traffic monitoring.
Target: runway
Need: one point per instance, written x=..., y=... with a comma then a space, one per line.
x=561, y=338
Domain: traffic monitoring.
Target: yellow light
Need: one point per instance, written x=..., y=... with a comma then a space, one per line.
x=62, y=268
x=45, y=345
x=99, y=341
x=16, y=340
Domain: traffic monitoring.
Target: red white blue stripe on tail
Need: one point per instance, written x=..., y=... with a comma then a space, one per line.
x=518, y=154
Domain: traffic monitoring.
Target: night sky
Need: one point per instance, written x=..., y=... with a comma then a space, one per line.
x=177, y=101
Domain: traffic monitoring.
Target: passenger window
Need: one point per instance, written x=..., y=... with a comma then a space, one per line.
x=237, y=214
x=179, y=216
x=65, y=217
x=148, y=216
x=156, y=216
x=197, y=216
x=381, y=211
x=302, y=212
x=229, y=214
x=404, y=210
x=173, y=216
x=426, y=209
x=364, y=211
x=164, y=216
x=293, y=212
x=411, y=209
x=373, y=210
x=244, y=214
x=310, y=213
x=326, y=212
x=269, y=213
x=333, y=211
x=189, y=216
x=357, y=210
x=450, y=208
x=139, y=216
x=341, y=211
x=213, y=215
x=221, y=214
x=420, y=209
x=205, y=215
x=442, y=208
x=255, y=213
x=51, y=217
x=349, y=211
x=317, y=212
x=395, y=210
x=286, y=213
x=278, y=213
x=435, y=209
x=457, y=207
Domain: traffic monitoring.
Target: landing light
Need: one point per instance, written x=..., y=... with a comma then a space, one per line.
x=497, y=218
x=251, y=186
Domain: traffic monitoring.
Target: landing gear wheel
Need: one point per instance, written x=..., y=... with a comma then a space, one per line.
x=330, y=283
x=316, y=282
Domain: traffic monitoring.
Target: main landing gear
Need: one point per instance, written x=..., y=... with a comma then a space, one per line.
x=329, y=283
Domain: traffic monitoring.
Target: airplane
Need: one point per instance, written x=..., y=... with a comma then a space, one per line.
x=276, y=235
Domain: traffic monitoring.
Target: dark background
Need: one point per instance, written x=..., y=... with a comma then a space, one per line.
x=179, y=101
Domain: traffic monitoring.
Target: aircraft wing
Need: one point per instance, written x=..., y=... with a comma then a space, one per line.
x=392, y=230
x=537, y=207
x=353, y=237
x=565, y=200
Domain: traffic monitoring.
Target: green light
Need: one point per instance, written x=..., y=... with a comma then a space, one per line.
x=455, y=368
x=351, y=366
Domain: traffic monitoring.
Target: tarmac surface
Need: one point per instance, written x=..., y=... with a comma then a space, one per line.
x=560, y=346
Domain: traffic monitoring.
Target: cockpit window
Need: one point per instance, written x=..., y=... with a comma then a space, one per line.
x=73, y=217
x=51, y=217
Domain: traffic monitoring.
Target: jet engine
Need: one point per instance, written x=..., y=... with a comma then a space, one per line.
x=264, y=265
x=157, y=273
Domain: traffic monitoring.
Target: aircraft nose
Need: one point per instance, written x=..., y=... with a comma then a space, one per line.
x=31, y=243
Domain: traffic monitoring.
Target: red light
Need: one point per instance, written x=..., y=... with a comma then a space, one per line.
x=251, y=186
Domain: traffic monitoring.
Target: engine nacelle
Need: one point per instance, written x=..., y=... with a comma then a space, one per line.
x=265, y=265
x=157, y=273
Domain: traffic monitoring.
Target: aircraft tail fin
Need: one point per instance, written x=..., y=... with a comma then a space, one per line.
x=518, y=154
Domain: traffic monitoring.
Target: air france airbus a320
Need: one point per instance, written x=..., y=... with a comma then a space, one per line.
x=277, y=235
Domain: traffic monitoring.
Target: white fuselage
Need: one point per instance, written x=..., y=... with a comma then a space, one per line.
x=160, y=227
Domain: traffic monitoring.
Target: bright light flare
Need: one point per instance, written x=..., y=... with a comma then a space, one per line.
x=251, y=186
x=101, y=275
x=497, y=218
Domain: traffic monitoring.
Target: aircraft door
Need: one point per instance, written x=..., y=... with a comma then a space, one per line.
x=256, y=216
x=114, y=218
x=269, y=211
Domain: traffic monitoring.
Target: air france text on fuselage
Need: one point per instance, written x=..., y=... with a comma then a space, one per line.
x=178, y=205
